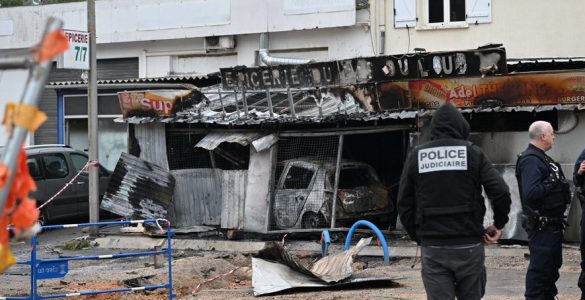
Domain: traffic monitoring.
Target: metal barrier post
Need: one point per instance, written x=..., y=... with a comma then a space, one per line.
x=33, y=269
x=378, y=233
x=170, y=258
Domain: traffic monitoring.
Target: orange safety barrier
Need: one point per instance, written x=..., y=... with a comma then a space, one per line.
x=20, y=211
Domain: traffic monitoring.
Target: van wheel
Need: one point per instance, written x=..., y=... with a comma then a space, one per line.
x=313, y=220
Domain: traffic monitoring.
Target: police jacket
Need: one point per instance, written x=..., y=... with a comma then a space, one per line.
x=544, y=190
x=440, y=198
x=579, y=180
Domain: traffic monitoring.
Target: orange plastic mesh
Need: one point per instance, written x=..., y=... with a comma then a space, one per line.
x=53, y=44
x=19, y=211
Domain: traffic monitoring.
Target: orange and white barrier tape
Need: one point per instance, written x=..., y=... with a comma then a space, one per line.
x=68, y=184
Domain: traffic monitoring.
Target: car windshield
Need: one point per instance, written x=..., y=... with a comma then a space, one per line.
x=353, y=177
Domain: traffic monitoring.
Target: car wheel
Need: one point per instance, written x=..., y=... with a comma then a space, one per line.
x=43, y=217
x=313, y=220
x=43, y=214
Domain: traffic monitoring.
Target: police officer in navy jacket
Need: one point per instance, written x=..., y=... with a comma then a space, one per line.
x=545, y=193
x=441, y=206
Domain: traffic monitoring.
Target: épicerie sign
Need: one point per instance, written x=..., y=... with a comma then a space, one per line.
x=477, y=62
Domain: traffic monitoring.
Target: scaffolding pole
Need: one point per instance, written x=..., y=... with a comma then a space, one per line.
x=39, y=74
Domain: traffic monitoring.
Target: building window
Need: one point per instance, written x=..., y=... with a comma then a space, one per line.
x=436, y=14
x=446, y=11
x=112, y=136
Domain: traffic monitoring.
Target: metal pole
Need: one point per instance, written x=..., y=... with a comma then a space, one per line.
x=245, y=103
x=336, y=184
x=92, y=113
x=212, y=158
x=236, y=103
x=221, y=101
x=39, y=75
x=291, y=103
x=33, y=269
x=269, y=103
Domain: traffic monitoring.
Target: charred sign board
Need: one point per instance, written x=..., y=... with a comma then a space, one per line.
x=139, y=190
x=477, y=62
x=157, y=102
x=518, y=89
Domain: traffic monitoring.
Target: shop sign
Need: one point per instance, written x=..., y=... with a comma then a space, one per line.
x=549, y=88
x=156, y=103
x=479, y=62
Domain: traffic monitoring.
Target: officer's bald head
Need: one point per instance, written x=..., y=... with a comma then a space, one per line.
x=541, y=135
x=537, y=129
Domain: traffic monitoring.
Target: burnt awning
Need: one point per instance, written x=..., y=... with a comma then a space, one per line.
x=259, y=140
x=255, y=119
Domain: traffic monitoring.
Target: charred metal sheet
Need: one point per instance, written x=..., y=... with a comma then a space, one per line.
x=139, y=189
x=334, y=268
x=276, y=270
x=233, y=197
x=197, y=197
x=153, y=143
x=265, y=142
x=355, y=103
x=270, y=277
x=212, y=140
x=331, y=268
x=310, y=106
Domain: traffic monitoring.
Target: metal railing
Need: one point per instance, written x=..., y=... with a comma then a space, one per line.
x=42, y=269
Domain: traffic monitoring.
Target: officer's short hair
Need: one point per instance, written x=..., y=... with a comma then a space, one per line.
x=536, y=129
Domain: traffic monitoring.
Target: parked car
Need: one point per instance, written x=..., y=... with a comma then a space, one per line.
x=304, y=193
x=52, y=167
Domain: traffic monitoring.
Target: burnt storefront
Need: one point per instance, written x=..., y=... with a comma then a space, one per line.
x=322, y=145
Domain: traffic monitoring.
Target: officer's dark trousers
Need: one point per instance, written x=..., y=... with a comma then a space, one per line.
x=545, y=260
x=582, y=276
x=450, y=273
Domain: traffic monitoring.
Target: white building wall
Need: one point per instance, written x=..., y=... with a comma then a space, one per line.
x=527, y=28
x=168, y=36
x=12, y=84
x=121, y=21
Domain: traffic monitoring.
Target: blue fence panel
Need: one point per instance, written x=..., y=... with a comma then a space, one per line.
x=59, y=267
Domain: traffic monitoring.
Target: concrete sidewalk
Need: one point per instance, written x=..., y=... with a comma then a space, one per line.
x=401, y=249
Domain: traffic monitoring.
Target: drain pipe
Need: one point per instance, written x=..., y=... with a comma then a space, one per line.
x=271, y=60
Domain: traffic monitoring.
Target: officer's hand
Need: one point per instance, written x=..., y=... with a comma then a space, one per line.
x=492, y=235
x=581, y=168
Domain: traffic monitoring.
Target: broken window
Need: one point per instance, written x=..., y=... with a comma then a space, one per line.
x=298, y=178
x=351, y=178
